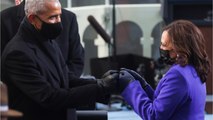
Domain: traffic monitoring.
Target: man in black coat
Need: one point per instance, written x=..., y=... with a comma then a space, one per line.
x=39, y=82
x=68, y=40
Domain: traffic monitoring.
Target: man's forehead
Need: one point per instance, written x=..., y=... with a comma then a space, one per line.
x=52, y=8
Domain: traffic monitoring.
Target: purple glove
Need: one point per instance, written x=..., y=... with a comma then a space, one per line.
x=137, y=77
x=124, y=79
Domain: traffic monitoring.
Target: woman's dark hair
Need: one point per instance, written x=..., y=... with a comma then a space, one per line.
x=189, y=43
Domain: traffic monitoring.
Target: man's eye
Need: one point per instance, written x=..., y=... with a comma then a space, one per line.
x=51, y=18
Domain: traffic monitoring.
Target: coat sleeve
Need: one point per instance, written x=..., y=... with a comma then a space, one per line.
x=22, y=71
x=173, y=92
x=149, y=91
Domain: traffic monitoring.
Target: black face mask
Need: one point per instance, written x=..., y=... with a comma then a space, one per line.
x=50, y=30
x=165, y=57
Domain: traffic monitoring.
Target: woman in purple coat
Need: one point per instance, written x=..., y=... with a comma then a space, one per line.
x=181, y=93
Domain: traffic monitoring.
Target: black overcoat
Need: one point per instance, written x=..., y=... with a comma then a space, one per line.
x=39, y=82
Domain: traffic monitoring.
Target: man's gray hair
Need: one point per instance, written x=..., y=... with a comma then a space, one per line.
x=36, y=6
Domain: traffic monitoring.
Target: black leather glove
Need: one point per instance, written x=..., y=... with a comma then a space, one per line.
x=137, y=77
x=109, y=82
x=124, y=79
x=109, y=72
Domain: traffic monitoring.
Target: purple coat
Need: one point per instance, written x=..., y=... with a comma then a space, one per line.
x=180, y=95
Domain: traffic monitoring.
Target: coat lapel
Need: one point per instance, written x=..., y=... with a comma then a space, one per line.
x=46, y=62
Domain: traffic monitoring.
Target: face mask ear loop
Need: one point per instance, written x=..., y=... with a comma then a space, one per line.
x=35, y=25
x=39, y=18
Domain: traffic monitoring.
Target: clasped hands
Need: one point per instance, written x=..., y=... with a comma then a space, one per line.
x=114, y=81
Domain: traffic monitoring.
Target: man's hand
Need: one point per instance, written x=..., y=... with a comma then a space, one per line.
x=109, y=82
x=109, y=72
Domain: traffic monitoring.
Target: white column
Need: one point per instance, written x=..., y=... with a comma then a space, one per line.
x=69, y=3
